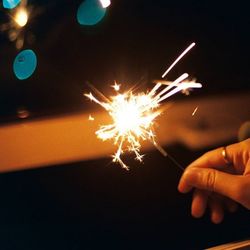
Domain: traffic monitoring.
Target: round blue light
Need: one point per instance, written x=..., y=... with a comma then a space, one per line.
x=25, y=64
x=10, y=4
x=90, y=12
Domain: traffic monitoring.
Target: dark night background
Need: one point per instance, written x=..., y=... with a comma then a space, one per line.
x=96, y=205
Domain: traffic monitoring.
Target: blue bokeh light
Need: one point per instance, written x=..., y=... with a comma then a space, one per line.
x=25, y=64
x=90, y=12
x=10, y=4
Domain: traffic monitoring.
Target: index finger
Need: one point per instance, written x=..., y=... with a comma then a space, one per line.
x=213, y=159
x=235, y=154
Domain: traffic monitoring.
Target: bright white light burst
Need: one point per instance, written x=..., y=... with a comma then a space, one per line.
x=105, y=3
x=133, y=115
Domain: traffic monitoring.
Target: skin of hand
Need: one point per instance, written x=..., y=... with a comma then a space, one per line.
x=216, y=184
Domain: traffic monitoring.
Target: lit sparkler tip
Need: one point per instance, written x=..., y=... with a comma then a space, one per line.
x=134, y=115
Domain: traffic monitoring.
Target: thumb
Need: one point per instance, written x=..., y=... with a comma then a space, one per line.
x=212, y=180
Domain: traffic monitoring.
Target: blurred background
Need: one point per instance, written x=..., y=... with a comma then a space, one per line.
x=135, y=41
x=93, y=204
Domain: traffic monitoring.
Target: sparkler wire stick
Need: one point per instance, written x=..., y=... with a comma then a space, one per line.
x=175, y=162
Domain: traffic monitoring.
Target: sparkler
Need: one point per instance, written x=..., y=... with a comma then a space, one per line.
x=134, y=115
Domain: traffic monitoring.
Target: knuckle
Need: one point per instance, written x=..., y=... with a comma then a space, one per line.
x=209, y=179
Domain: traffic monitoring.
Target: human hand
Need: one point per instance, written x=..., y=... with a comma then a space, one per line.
x=217, y=184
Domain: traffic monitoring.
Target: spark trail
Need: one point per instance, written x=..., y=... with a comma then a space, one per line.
x=133, y=115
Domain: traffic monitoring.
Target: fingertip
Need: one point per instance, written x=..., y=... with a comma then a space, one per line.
x=217, y=212
x=183, y=187
x=217, y=218
x=187, y=180
x=196, y=212
x=196, y=216
x=199, y=203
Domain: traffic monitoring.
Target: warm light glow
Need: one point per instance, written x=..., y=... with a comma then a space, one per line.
x=91, y=118
x=133, y=115
x=105, y=3
x=21, y=17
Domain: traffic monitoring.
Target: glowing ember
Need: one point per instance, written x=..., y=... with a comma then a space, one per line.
x=133, y=115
